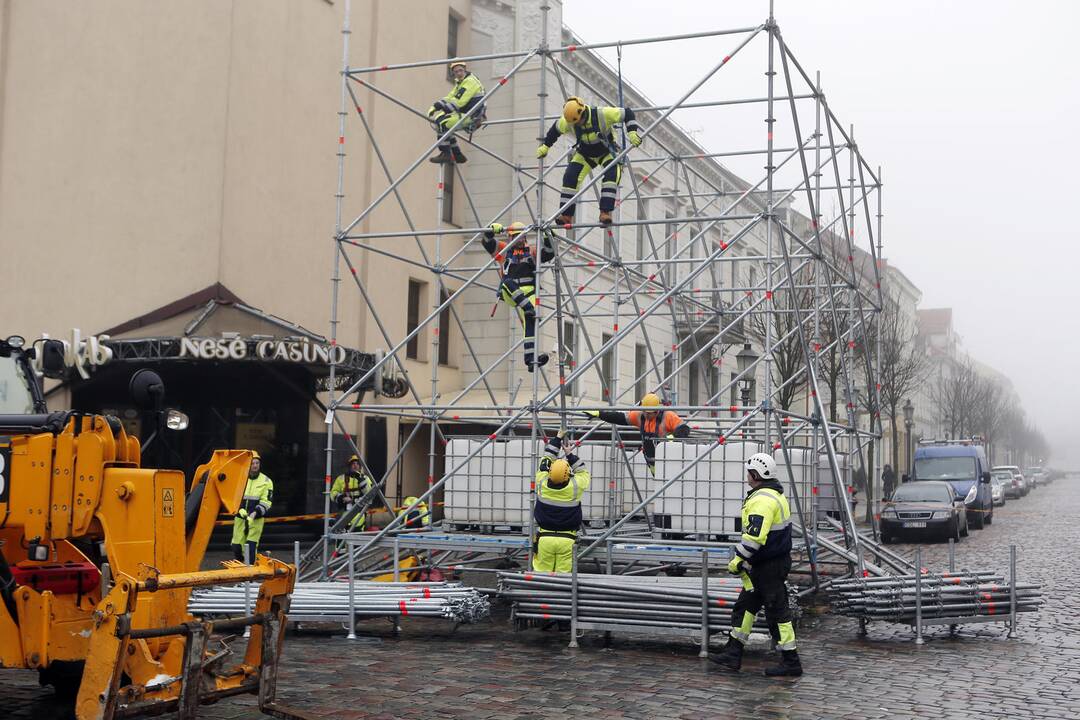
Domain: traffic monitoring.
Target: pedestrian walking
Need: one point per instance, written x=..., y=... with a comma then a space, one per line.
x=888, y=481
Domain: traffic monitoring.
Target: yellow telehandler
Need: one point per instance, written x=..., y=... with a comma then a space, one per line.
x=115, y=631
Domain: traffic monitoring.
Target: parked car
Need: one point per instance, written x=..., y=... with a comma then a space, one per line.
x=1037, y=476
x=1013, y=483
x=924, y=508
x=1001, y=484
x=963, y=464
x=1025, y=484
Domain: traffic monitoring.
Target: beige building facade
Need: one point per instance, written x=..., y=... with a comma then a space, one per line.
x=169, y=180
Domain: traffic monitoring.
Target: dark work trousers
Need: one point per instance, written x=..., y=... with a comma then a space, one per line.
x=769, y=592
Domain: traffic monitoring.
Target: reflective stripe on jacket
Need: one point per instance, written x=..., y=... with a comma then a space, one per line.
x=594, y=136
x=766, y=524
x=259, y=492
x=558, y=508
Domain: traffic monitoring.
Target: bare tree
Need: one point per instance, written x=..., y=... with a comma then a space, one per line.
x=989, y=414
x=903, y=366
x=956, y=396
x=788, y=362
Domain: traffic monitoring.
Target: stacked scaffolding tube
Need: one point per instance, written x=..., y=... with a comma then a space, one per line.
x=632, y=601
x=314, y=601
x=952, y=596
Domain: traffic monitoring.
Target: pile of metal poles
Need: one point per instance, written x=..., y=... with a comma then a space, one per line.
x=945, y=595
x=630, y=600
x=330, y=601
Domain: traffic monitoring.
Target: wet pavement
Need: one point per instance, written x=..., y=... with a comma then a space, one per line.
x=489, y=671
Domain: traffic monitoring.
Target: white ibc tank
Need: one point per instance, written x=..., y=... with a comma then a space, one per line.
x=707, y=496
x=493, y=486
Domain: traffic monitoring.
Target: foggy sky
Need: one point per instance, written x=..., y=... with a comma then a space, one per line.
x=971, y=110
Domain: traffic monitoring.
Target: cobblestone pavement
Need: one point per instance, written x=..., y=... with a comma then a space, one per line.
x=487, y=671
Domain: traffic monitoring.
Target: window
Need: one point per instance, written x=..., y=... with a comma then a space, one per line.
x=641, y=382
x=670, y=246
x=412, y=319
x=642, y=231
x=568, y=349
x=694, y=386
x=449, y=174
x=444, y=330
x=669, y=381
x=605, y=367
x=452, y=42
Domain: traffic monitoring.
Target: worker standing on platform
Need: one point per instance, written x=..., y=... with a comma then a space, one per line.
x=595, y=147
x=518, y=286
x=763, y=559
x=654, y=424
x=466, y=94
x=250, y=518
x=560, y=485
x=348, y=489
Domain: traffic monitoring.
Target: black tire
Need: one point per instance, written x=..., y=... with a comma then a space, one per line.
x=990, y=516
x=964, y=531
x=886, y=539
x=954, y=534
x=979, y=522
x=65, y=676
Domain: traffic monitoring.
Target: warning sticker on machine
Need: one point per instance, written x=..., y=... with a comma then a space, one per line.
x=167, y=502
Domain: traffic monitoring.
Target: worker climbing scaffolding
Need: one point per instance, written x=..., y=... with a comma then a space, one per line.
x=654, y=424
x=595, y=147
x=518, y=286
x=466, y=94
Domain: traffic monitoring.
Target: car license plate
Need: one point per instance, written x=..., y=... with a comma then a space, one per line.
x=914, y=524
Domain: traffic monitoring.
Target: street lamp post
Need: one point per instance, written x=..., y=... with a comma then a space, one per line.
x=744, y=360
x=909, y=421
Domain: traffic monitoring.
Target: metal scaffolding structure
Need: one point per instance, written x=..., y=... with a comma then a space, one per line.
x=813, y=305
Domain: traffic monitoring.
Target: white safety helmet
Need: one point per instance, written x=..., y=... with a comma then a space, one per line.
x=763, y=464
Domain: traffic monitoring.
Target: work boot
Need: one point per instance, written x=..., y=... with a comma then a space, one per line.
x=459, y=157
x=444, y=156
x=541, y=361
x=789, y=665
x=730, y=657
x=605, y=217
x=564, y=220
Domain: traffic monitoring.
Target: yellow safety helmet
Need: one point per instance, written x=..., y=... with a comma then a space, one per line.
x=255, y=455
x=574, y=110
x=515, y=228
x=354, y=458
x=559, y=472
x=651, y=400
x=455, y=63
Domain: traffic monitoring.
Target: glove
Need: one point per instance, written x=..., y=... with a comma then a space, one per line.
x=735, y=567
x=257, y=513
x=669, y=436
x=242, y=514
x=542, y=151
x=567, y=443
x=634, y=138
x=593, y=413
x=497, y=228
